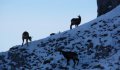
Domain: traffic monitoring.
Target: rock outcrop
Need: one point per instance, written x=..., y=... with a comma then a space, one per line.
x=105, y=6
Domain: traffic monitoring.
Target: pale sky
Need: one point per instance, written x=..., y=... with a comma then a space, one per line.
x=40, y=18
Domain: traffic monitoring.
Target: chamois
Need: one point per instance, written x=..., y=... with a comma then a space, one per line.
x=26, y=36
x=70, y=55
x=52, y=34
x=75, y=21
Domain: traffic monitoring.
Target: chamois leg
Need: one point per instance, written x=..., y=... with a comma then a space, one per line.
x=74, y=62
x=68, y=61
x=77, y=61
x=23, y=41
x=76, y=25
x=71, y=26
x=30, y=38
x=27, y=42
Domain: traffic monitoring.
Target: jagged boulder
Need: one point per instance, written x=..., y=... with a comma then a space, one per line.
x=105, y=6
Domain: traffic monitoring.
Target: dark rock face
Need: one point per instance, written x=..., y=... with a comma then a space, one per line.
x=105, y=6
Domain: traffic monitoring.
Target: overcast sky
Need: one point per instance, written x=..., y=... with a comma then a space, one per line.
x=40, y=18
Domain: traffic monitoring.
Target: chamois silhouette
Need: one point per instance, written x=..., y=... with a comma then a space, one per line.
x=26, y=36
x=75, y=21
x=70, y=55
x=52, y=34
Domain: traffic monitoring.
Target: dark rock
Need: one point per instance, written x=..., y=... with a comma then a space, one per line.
x=103, y=52
x=105, y=6
x=52, y=34
x=48, y=61
x=63, y=68
x=98, y=66
x=85, y=66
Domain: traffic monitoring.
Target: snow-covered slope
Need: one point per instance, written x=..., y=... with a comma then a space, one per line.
x=97, y=44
